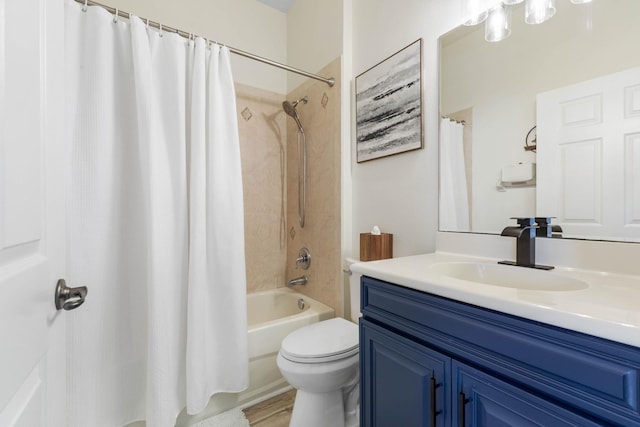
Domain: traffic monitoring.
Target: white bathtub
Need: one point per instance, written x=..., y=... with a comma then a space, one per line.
x=271, y=316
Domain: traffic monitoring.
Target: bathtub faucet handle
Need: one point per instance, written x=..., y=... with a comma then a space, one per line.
x=304, y=259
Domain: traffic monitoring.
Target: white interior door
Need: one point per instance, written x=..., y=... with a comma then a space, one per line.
x=32, y=250
x=589, y=156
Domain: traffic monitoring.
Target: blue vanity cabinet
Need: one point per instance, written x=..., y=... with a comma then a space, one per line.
x=483, y=400
x=402, y=382
x=431, y=361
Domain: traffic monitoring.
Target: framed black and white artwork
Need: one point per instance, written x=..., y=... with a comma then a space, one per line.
x=389, y=105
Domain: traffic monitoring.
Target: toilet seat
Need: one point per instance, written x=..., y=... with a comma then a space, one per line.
x=325, y=341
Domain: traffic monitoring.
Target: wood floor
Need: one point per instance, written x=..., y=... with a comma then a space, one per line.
x=275, y=412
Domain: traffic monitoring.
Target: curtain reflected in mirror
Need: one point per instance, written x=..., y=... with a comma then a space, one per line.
x=454, y=195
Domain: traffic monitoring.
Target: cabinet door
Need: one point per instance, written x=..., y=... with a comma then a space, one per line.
x=402, y=383
x=483, y=400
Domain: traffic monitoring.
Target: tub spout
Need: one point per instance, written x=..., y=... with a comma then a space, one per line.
x=302, y=280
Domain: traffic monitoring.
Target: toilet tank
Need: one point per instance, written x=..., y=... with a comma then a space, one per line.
x=354, y=290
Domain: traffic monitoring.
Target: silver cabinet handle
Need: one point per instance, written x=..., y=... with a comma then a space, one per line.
x=69, y=298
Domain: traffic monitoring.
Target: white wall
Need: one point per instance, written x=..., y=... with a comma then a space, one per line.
x=345, y=155
x=314, y=36
x=243, y=24
x=400, y=193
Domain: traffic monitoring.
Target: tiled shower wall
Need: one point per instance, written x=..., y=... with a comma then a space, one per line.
x=262, y=128
x=268, y=147
x=321, y=233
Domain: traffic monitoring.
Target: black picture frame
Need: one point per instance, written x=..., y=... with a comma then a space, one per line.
x=389, y=105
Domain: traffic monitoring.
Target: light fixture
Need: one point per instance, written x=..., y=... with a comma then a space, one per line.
x=496, y=14
x=538, y=11
x=474, y=11
x=498, y=24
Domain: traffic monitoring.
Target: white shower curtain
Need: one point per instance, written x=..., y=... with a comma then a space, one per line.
x=454, y=205
x=156, y=226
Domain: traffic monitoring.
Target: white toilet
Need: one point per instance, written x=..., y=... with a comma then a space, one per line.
x=321, y=361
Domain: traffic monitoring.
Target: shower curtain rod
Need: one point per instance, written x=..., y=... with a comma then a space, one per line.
x=329, y=81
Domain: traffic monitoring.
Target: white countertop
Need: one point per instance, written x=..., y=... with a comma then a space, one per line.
x=609, y=307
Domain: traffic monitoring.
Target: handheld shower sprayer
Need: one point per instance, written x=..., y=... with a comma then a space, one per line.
x=290, y=109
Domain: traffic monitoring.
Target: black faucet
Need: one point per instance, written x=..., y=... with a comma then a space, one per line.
x=546, y=229
x=525, y=233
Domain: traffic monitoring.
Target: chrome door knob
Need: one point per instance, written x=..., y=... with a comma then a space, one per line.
x=69, y=298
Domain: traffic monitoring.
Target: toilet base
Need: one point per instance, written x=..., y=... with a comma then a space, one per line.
x=318, y=409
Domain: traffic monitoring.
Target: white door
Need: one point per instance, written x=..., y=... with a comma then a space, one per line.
x=32, y=250
x=589, y=157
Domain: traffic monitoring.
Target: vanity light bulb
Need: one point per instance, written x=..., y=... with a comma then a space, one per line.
x=512, y=2
x=474, y=11
x=498, y=24
x=580, y=1
x=538, y=11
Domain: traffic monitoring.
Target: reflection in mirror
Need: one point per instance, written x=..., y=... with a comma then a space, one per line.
x=544, y=123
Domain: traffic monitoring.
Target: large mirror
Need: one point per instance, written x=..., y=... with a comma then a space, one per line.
x=544, y=123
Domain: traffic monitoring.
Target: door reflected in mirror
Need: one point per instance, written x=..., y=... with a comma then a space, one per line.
x=544, y=123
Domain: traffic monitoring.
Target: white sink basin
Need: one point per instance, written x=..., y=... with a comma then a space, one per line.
x=508, y=276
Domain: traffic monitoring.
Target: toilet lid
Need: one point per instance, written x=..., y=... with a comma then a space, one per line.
x=324, y=341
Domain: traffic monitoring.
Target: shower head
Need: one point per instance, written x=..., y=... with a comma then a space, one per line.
x=290, y=109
